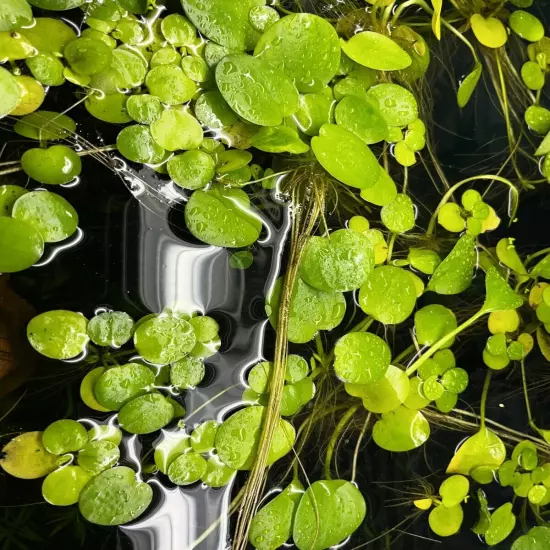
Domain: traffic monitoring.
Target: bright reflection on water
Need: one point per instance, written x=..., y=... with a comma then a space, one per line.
x=194, y=277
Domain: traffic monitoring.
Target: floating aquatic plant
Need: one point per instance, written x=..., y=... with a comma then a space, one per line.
x=327, y=113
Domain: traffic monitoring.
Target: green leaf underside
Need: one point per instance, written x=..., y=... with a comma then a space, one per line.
x=401, y=430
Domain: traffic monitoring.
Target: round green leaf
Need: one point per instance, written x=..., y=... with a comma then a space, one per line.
x=164, y=338
x=55, y=165
x=502, y=524
x=111, y=328
x=10, y=92
x=187, y=468
x=384, y=395
x=314, y=110
x=416, y=399
x=14, y=14
x=432, y=323
x=58, y=334
x=482, y=449
x=187, y=373
x=97, y=456
x=328, y=513
x=21, y=245
x=538, y=538
x=424, y=260
x=454, y=490
x=454, y=274
x=146, y=414
x=45, y=125
x=8, y=195
x=297, y=369
x=48, y=213
x=383, y=192
x=192, y=169
x=87, y=389
x=401, y=430
x=237, y=439
x=88, y=56
x=538, y=119
x=118, y=385
x=195, y=68
x=533, y=76
x=203, y=436
x=384, y=282
x=398, y=216
x=49, y=35
x=432, y=389
x=114, y=497
x=361, y=358
x=256, y=90
x=137, y=144
x=262, y=17
x=363, y=118
x=170, y=84
x=376, y=51
x=144, y=108
x=56, y=5
x=271, y=526
x=177, y=129
x=225, y=21
x=63, y=487
x=450, y=217
x=489, y=31
x=526, y=25
x=109, y=108
x=444, y=521
x=217, y=473
x=455, y=380
x=305, y=47
x=340, y=262
x=46, y=68
x=177, y=30
x=222, y=217
x=396, y=104
x=241, y=260
x=213, y=111
x=64, y=436
x=173, y=444
x=345, y=156
x=26, y=457
x=311, y=310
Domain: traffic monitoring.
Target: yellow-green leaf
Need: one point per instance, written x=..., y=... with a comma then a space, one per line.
x=468, y=86
x=436, y=18
x=490, y=32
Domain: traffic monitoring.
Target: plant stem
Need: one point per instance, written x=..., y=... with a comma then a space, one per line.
x=484, y=394
x=334, y=438
x=437, y=346
x=449, y=194
x=358, y=446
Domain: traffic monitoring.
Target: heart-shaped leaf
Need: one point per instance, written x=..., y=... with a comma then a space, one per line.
x=340, y=262
x=503, y=522
x=454, y=274
x=222, y=217
x=328, y=513
x=432, y=323
x=498, y=294
x=397, y=105
x=305, y=47
x=484, y=448
x=401, y=430
x=64, y=436
x=361, y=357
x=376, y=51
x=388, y=281
x=468, y=85
x=237, y=439
x=490, y=32
x=384, y=395
x=345, y=156
x=272, y=525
